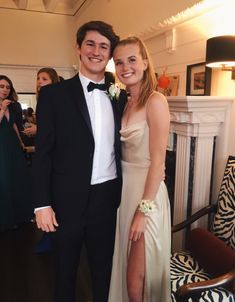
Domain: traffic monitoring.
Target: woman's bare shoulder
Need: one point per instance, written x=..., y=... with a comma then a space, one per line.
x=156, y=99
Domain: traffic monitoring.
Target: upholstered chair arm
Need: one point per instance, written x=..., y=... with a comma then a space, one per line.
x=205, y=211
x=194, y=290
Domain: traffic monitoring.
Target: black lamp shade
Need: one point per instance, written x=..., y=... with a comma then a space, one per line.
x=220, y=51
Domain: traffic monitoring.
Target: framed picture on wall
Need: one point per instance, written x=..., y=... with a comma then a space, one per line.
x=198, y=81
x=172, y=86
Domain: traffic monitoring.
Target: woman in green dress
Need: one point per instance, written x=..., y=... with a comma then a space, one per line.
x=15, y=183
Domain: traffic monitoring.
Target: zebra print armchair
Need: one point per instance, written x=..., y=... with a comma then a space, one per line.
x=189, y=280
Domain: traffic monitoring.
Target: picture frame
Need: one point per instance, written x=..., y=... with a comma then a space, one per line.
x=198, y=80
x=172, y=88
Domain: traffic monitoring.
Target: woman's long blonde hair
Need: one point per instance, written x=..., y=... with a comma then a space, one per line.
x=149, y=81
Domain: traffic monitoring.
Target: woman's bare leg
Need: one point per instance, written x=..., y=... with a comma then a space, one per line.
x=136, y=270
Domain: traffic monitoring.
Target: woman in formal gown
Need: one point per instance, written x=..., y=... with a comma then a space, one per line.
x=15, y=183
x=141, y=262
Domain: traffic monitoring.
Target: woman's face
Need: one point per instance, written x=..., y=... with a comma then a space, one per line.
x=43, y=79
x=5, y=89
x=129, y=64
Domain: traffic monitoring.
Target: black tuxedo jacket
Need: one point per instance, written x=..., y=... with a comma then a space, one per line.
x=62, y=165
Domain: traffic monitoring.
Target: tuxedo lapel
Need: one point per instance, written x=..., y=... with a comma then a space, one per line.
x=117, y=104
x=116, y=118
x=78, y=97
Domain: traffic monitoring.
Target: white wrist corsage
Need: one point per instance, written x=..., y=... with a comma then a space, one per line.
x=114, y=91
x=147, y=207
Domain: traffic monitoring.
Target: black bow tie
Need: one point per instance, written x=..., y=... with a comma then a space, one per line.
x=91, y=86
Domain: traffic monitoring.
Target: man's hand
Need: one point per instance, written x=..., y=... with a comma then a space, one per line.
x=46, y=220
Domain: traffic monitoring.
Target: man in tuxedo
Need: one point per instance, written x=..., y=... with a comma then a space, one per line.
x=77, y=172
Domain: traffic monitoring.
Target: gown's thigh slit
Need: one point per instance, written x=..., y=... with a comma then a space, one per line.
x=136, y=268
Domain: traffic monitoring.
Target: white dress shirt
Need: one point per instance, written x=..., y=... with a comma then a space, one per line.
x=102, y=122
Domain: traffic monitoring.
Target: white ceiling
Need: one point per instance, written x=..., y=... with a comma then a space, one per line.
x=64, y=7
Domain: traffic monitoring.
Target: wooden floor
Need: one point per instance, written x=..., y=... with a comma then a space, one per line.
x=29, y=277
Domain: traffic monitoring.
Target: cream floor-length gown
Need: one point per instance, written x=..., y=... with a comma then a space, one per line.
x=135, y=164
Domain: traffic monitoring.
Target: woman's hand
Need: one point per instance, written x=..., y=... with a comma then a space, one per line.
x=138, y=226
x=22, y=145
x=4, y=105
x=31, y=131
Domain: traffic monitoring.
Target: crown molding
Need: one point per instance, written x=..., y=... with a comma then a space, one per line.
x=189, y=13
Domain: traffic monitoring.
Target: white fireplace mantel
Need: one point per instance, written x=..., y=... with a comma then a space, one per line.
x=198, y=109
x=197, y=119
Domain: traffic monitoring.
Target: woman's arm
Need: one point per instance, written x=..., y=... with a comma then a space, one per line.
x=18, y=135
x=158, y=119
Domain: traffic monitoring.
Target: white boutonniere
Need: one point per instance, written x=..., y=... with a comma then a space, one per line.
x=114, y=91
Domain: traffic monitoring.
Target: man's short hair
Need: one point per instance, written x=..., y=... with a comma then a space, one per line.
x=101, y=27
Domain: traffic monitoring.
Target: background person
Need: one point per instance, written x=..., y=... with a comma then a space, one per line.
x=45, y=76
x=15, y=184
x=28, y=120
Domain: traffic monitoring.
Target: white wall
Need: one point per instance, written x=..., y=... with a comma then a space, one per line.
x=24, y=77
x=190, y=46
x=31, y=38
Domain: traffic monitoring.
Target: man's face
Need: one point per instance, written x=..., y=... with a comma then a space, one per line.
x=94, y=55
